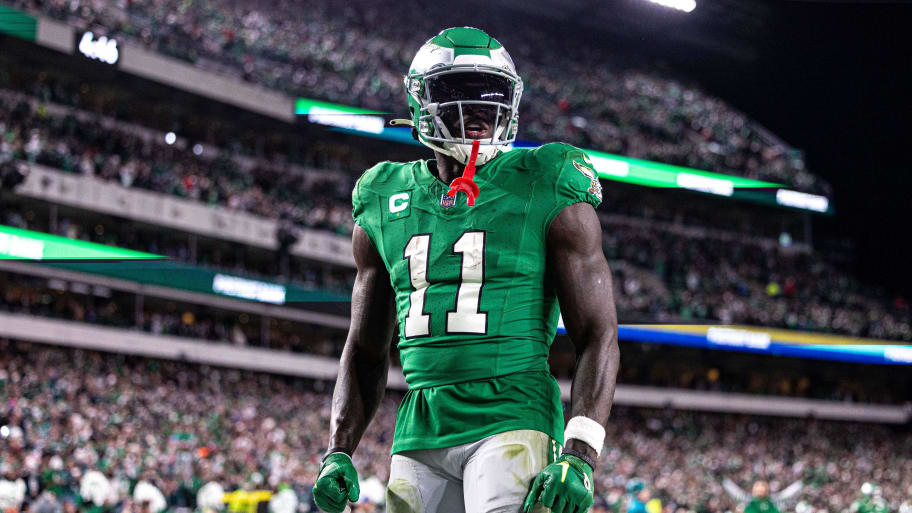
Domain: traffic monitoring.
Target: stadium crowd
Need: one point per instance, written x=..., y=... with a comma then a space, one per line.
x=342, y=55
x=57, y=299
x=747, y=282
x=692, y=278
x=64, y=412
x=91, y=145
x=54, y=298
x=659, y=276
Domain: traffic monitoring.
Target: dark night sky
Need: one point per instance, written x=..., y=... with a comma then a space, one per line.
x=834, y=79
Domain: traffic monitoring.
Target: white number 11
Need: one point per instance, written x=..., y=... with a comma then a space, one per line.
x=466, y=318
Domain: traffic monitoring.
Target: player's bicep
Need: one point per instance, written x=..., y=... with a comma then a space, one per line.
x=581, y=275
x=372, y=297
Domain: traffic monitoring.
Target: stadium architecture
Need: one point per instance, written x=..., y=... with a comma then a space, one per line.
x=155, y=211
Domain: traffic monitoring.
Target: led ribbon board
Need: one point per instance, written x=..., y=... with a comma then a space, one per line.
x=197, y=278
x=341, y=116
x=371, y=123
x=249, y=289
x=776, y=342
x=148, y=268
x=656, y=174
x=19, y=244
x=18, y=24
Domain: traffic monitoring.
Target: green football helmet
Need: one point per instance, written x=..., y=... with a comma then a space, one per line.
x=459, y=74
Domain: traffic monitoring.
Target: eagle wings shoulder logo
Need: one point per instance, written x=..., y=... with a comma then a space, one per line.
x=595, y=187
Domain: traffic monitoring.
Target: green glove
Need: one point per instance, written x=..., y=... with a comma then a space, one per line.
x=565, y=486
x=337, y=483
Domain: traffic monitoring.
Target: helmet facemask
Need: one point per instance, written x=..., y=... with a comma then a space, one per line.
x=460, y=103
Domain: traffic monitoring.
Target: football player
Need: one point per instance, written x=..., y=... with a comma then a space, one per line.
x=475, y=290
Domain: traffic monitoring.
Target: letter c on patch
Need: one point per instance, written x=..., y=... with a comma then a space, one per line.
x=398, y=202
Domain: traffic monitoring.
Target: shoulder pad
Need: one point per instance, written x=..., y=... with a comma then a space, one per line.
x=552, y=156
x=377, y=171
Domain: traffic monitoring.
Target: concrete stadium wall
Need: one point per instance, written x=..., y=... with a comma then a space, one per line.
x=191, y=216
x=173, y=72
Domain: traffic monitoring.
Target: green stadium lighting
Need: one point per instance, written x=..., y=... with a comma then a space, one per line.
x=657, y=174
x=370, y=123
x=148, y=268
x=19, y=244
x=340, y=116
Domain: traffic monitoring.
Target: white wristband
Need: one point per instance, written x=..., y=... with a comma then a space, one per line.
x=587, y=431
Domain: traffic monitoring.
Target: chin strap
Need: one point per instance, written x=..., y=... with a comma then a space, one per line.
x=465, y=183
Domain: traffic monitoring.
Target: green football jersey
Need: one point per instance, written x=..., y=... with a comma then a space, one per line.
x=476, y=313
x=761, y=505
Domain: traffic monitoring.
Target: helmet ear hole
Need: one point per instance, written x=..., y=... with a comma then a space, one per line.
x=415, y=133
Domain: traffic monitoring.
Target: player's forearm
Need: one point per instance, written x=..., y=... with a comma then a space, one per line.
x=584, y=287
x=594, y=332
x=365, y=358
x=592, y=392
x=592, y=389
x=359, y=390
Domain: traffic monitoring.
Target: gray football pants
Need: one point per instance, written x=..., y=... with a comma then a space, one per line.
x=491, y=475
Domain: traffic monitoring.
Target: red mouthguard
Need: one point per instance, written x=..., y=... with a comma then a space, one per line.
x=465, y=183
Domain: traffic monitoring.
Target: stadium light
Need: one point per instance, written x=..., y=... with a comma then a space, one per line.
x=803, y=200
x=170, y=137
x=681, y=5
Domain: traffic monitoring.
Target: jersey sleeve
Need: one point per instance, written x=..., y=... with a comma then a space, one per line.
x=575, y=178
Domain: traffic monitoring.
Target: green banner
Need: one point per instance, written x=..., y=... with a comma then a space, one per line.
x=371, y=123
x=194, y=278
x=19, y=244
x=304, y=106
x=657, y=174
x=17, y=23
x=149, y=269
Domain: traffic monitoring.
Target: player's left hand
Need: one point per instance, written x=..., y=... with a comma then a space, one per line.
x=565, y=486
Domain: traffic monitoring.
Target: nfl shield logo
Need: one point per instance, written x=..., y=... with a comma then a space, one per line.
x=446, y=201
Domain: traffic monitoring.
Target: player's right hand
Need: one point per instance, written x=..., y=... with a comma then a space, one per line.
x=564, y=486
x=336, y=484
